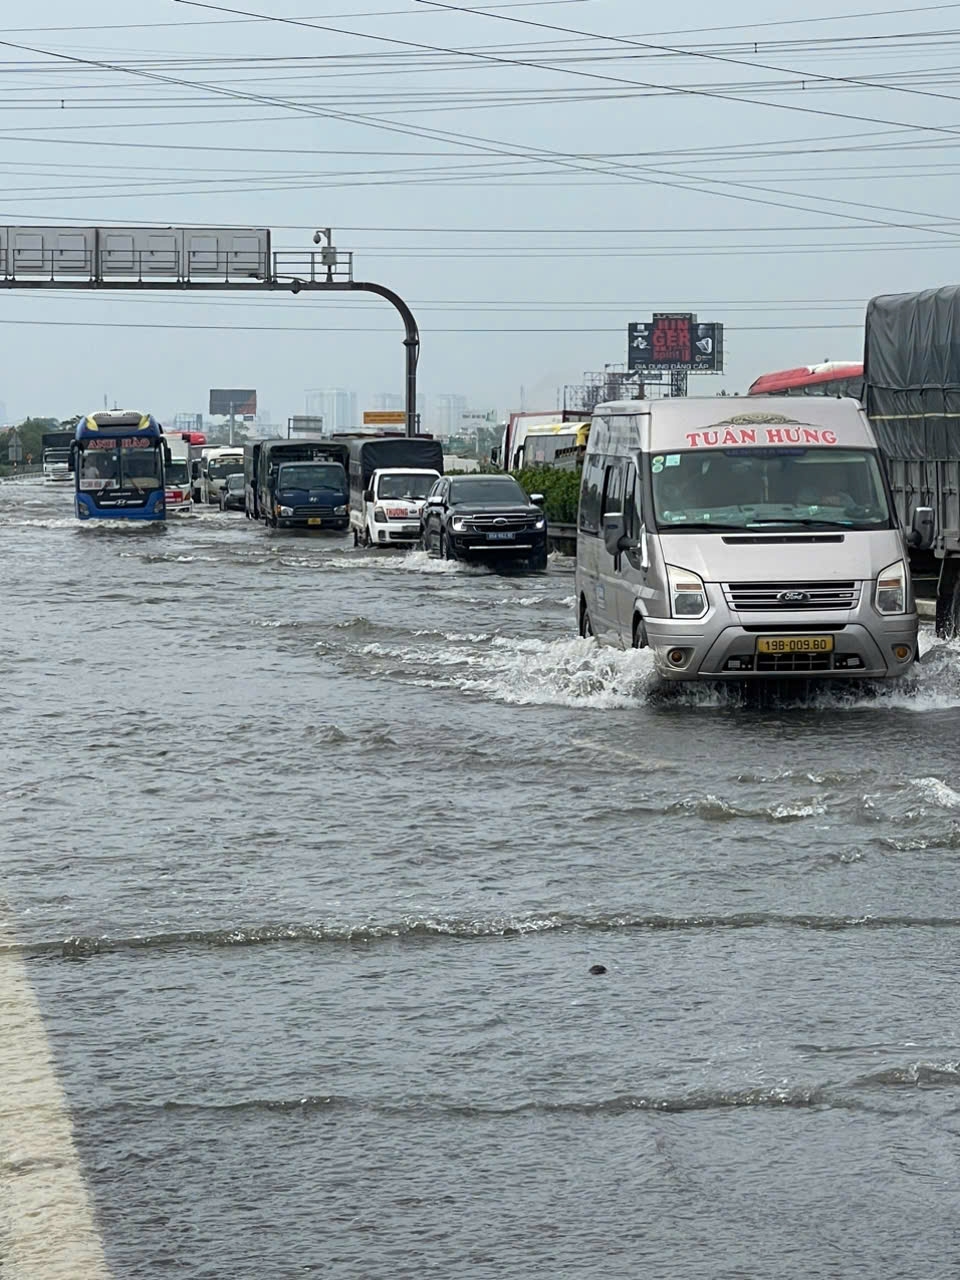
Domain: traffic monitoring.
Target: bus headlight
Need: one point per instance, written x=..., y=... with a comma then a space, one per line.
x=891, y=596
x=688, y=595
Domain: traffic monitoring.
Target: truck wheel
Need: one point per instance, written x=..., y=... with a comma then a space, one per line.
x=586, y=627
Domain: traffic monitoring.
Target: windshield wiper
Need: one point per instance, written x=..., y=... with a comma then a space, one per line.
x=805, y=522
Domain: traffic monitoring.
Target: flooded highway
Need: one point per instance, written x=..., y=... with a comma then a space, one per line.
x=308, y=854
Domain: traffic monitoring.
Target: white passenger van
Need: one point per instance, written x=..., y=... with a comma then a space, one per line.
x=742, y=539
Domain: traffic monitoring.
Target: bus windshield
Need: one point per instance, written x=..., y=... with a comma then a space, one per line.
x=311, y=475
x=761, y=488
x=120, y=465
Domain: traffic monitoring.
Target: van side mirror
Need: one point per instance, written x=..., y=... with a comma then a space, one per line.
x=921, y=532
x=613, y=532
x=194, y=470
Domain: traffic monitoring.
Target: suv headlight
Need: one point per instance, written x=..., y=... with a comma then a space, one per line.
x=340, y=511
x=688, y=595
x=459, y=524
x=891, y=594
x=284, y=511
x=540, y=522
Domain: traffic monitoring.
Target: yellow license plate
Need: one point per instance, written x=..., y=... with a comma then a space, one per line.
x=794, y=644
x=314, y=520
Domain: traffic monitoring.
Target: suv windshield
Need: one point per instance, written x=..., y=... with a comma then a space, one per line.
x=492, y=489
x=750, y=488
x=311, y=475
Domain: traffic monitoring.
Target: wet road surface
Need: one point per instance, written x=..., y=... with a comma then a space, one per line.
x=308, y=853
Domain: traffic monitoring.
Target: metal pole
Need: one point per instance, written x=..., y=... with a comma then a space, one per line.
x=411, y=342
x=231, y=424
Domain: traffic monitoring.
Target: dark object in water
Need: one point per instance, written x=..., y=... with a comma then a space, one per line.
x=597, y=969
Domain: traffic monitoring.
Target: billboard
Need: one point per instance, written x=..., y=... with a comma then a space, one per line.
x=674, y=340
x=242, y=404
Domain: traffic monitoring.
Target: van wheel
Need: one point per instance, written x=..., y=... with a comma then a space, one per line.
x=639, y=634
x=356, y=537
x=366, y=538
x=586, y=627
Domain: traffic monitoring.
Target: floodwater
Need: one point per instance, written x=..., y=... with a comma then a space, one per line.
x=308, y=853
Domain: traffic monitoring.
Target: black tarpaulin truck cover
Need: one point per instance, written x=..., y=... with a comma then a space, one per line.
x=377, y=453
x=911, y=373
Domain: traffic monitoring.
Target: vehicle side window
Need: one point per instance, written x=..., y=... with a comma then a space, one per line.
x=632, y=519
x=590, y=489
x=612, y=489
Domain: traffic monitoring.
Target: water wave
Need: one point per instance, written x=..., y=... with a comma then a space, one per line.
x=422, y=929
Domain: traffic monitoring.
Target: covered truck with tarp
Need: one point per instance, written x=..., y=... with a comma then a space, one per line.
x=911, y=392
x=390, y=477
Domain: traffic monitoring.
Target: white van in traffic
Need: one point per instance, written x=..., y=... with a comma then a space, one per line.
x=740, y=540
x=216, y=464
x=176, y=474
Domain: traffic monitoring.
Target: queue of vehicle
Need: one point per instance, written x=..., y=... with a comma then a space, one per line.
x=736, y=541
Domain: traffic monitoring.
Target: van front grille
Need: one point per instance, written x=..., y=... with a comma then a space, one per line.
x=795, y=597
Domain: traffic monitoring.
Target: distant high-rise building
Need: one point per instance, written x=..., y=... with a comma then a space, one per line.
x=337, y=408
x=449, y=412
x=387, y=401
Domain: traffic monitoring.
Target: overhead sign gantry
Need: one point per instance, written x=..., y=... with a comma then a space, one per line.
x=226, y=259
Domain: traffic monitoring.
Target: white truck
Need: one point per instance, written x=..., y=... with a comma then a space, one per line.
x=390, y=477
x=216, y=463
x=176, y=474
x=55, y=451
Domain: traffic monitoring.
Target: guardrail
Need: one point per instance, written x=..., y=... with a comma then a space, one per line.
x=562, y=538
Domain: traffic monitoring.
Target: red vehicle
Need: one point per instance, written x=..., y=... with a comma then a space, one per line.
x=832, y=378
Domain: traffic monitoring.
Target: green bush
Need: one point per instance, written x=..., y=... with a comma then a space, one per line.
x=560, y=489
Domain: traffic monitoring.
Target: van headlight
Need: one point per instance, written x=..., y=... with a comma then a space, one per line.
x=379, y=515
x=340, y=511
x=688, y=595
x=891, y=596
x=284, y=511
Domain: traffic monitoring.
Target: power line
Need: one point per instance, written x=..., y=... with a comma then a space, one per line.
x=636, y=172
x=280, y=328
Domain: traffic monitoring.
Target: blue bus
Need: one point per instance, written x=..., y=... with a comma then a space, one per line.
x=118, y=462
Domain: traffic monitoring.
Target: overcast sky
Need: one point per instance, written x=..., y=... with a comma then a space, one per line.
x=530, y=177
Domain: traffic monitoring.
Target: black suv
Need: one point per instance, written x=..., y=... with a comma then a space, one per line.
x=484, y=518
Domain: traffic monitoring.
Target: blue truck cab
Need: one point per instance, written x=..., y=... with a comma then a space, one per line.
x=302, y=484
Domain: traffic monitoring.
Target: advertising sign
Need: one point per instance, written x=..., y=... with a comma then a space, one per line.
x=674, y=341
x=384, y=417
x=242, y=404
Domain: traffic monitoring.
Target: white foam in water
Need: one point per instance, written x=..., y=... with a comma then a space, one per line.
x=423, y=562
x=936, y=792
x=571, y=673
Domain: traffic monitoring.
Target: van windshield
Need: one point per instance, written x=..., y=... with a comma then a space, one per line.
x=784, y=488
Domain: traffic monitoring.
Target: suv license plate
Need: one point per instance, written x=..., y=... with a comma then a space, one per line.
x=794, y=644
x=501, y=537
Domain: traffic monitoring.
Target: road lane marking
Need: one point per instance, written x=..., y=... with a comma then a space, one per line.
x=47, y=1226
